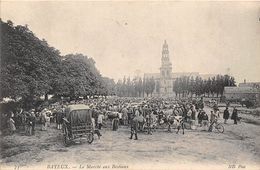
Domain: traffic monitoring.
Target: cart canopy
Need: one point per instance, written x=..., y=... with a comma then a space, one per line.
x=78, y=114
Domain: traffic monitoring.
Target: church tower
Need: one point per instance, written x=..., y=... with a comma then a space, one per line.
x=166, y=65
x=166, y=83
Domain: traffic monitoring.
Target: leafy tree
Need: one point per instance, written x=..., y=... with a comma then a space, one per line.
x=29, y=66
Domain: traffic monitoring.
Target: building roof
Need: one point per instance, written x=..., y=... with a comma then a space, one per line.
x=78, y=107
x=189, y=74
x=174, y=75
x=250, y=84
x=240, y=90
x=152, y=75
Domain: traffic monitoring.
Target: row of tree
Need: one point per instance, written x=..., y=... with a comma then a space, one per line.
x=30, y=68
x=182, y=86
x=137, y=87
x=214, y=86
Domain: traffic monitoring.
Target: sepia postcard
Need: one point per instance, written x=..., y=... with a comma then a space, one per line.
x=129, y=85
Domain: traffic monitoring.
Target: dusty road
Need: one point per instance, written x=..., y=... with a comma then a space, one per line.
x=238, y=146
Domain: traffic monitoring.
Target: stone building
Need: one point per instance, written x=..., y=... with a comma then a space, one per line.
x=165, y=78
x=244, y=91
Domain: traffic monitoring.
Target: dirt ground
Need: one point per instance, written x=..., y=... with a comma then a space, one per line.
x=238, y=146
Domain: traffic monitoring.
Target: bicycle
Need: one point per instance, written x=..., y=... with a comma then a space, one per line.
x=187, y=123
x=217, y=126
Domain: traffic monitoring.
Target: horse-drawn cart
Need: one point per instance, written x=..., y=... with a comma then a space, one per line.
x=77, y=124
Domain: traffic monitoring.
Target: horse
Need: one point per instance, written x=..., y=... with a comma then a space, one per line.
x=111, y=115
x=172, y=119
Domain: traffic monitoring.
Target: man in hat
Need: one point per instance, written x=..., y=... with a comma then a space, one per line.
x=59, y=118
x=124, y=115
x=234, y=115
x=134, y=127
x=226, y=115
x=43, y=120
x=32, y=118
x=100, y=120
x=129, y=114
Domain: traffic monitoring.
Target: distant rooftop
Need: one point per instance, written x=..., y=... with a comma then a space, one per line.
x=241, y=90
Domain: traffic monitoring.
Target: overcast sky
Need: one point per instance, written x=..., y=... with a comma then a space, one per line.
x=205, y=37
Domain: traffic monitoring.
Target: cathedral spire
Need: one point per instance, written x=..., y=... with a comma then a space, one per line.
x=166, y=65
x=165, y=44
x=165, y=51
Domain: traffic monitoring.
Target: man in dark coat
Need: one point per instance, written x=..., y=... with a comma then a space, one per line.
x=226, y=115
x=234, y=115
x=59, y=118
x=200, y=117
x=134, y=127
x=129, y=114
x=30, y=123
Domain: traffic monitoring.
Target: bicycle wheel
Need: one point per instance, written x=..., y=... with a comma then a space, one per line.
x=186, y=125
x=90, y=138
x=219, y=128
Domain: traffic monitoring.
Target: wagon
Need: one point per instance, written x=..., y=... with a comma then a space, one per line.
x=77, y=124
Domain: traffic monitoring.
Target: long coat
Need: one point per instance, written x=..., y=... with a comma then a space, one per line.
x=59, y=117
x=226, y=114
x=134, y=125
x=234, y=114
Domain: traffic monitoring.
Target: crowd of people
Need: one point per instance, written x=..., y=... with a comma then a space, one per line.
x=139, y=114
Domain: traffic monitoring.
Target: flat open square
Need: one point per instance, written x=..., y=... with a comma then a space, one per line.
x=238, y=145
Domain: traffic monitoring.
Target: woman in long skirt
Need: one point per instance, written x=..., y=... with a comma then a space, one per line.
x=115, y=123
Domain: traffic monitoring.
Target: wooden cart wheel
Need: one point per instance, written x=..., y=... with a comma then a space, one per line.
x=90, y=138
x=220, y=128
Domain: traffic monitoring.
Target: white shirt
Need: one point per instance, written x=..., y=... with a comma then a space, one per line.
x=93, y=122
x=120, y=115
x=100, y=118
